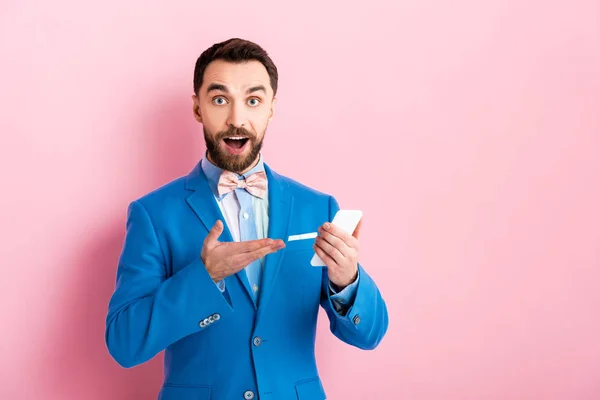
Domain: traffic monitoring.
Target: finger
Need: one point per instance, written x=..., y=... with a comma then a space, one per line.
x=336, y=231
x=259, y=253
x=331, y=250
x=357, y=230
x=330, y=262
x=349, y=240
x=336, y=242
x=214, y=233
x=252, y=245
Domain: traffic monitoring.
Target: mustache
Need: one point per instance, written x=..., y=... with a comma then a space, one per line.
x=233, y=132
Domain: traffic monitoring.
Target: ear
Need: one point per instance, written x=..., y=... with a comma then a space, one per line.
x=196, y=108
x=272, y=112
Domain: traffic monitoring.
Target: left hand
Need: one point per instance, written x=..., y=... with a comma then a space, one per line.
x=339, y=251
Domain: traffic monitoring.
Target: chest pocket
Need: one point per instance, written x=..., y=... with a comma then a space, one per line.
x=299, y=245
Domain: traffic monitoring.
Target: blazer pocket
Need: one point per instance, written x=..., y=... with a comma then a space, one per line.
x=183, y=392
x=299, y=245
x=311, y=389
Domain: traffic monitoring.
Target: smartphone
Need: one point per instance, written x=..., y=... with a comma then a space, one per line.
x=347, y=220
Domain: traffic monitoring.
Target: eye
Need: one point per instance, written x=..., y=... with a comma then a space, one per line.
x=253, y=102
x=219, y=101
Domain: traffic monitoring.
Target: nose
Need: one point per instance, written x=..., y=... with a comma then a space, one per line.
x=237, y=116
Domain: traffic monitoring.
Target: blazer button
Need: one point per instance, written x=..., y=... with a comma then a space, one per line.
x=356, y=319
x=202, y=324
x=248, y=394
x=211, y=319
x=257, y=341
x=216, y=317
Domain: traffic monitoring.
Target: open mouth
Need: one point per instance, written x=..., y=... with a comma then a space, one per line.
x=236, y=144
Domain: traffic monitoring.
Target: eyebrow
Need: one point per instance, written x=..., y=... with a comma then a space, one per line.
x=223, y=88
x=256, y=89
x=216, y=86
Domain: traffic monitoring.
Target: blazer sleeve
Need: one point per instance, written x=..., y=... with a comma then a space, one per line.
x=148, y=311
x=365, y=322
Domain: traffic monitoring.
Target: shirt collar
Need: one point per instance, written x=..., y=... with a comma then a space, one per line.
x=213, y=173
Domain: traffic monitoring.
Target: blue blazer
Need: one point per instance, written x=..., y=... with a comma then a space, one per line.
x=222, y=346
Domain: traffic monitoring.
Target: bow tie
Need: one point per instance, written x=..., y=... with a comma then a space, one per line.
x=255, y=184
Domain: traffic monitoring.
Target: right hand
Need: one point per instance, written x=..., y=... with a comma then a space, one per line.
x=223, y=259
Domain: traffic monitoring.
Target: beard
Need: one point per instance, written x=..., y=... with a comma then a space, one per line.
x=232, y=162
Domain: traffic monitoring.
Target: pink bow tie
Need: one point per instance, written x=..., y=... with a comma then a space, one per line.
x=255, y=184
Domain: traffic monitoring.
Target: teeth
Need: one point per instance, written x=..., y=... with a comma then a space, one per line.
x=236, y=138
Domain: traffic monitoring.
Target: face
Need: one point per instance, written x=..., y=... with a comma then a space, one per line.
x=235, y=105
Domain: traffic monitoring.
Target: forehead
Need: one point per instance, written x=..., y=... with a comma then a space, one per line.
x=236, y=76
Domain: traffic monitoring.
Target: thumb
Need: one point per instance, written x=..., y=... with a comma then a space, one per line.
x=357, y=229
x=214, y=233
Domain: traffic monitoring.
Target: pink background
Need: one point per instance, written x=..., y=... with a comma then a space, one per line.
x=471, y=127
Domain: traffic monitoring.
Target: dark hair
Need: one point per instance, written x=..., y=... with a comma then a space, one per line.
x=234, y=50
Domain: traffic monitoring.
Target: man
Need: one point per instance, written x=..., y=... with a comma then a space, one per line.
x=208, y=273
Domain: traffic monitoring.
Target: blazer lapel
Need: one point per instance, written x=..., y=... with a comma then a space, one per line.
x=280, y=207
x=204, y=204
